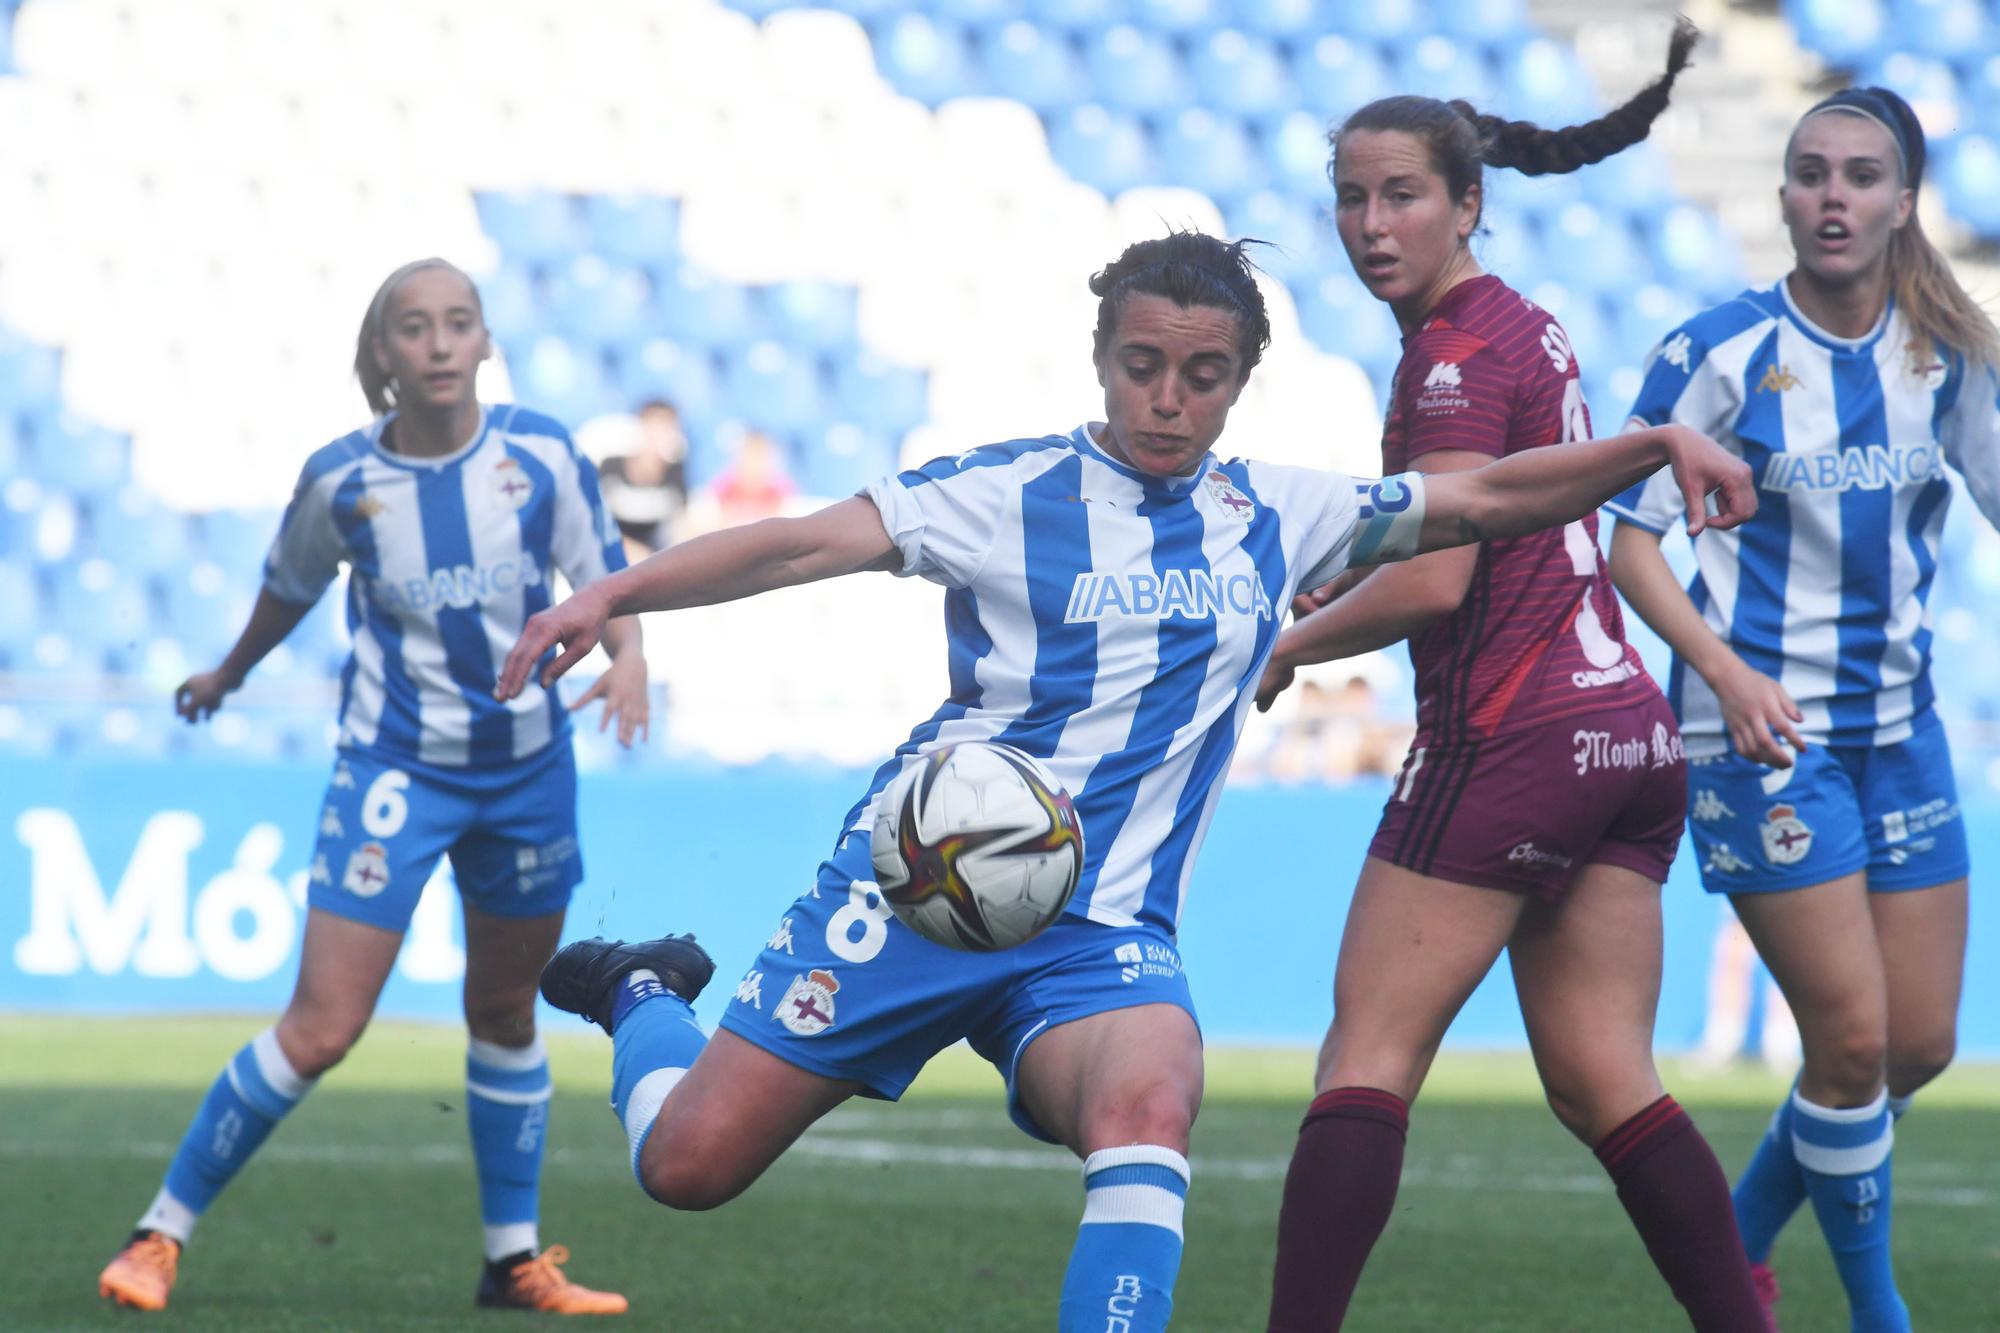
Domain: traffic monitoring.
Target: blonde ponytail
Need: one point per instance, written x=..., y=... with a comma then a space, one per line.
x=1943, y=317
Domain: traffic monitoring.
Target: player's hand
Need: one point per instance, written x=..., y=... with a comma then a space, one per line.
x=201, y=694
x=576, y=623
x=1277, y=679
x=623, y=689
x=1702, y=467
x=1760, y=715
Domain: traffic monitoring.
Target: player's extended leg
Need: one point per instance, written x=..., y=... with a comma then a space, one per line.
x=704, y=1118
x=1821, y=946
x=507, y=1091
x=1120, y=1089
x=1413, y=949
x=1587, y=970
x=342, y=967
x=1922, y=935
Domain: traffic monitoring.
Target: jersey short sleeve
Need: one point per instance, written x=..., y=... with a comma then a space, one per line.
x=584, y=543
x=1456, y=393
x=306, y=554
x=1681, y=385
x=945, y=515
x=1970, y=436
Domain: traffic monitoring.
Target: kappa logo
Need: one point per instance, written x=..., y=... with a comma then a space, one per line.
x=1677, y=351
x=1777, y=379
x=367, y=870
x=807, y=1007
x=1787, y=838
x=1708, y=807
x=1723, y=860
x=329, y=823
x=1444, y=375
x=369, y=507
x=343, y=776
x=1234, y=502
x=511, y=483
x=320, y=873
x=750, y=990
x=781, y=938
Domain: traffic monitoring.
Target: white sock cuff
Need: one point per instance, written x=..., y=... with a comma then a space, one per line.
x=1840, y=1115
x=1899, y=1105
x=1138, y=1154
x=508, y=1238
x=643, y=1107
x=1855, y=1156
x=170, y=1217
x=515, y=1058
x=276, y=1069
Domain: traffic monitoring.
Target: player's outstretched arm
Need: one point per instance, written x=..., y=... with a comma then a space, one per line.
x=842, y=538
x=1559, y=483
x=271, y=619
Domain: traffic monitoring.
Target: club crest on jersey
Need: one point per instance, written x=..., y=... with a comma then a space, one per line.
x=807, y=1007
x=1787, y=839
x=511, y=483
x=1234, y=502
x=367, y=870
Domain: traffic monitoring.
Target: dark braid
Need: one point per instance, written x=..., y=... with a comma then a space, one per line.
x=1461, y=138
x=1189, y=268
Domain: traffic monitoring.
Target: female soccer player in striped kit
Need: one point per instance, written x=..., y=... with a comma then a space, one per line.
x=451, y=518
x=1135, y=706
x=1821, y=784
x=1540, y=807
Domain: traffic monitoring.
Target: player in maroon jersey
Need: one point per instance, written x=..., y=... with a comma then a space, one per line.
x=1541, y=803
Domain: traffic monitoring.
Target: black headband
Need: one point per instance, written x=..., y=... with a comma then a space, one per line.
x=1893, y=114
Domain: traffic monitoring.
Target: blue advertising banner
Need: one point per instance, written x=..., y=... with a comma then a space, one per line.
x=178, y=887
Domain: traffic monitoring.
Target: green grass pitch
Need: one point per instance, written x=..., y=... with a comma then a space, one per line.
x=931, y=1214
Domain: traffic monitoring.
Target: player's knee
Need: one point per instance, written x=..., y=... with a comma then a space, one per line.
x=501, y=1024
x=1913, y=1064
x=1852, y=1060
x=315, y=1046
x=1160, y=1113
x=689, y=1183
x=1591, y=1106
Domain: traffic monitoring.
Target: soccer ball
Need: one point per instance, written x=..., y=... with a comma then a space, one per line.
x=977, y=846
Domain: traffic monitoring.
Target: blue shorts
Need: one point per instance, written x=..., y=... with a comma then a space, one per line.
x=846, y=991
x=1891, y=810
x=510, y=830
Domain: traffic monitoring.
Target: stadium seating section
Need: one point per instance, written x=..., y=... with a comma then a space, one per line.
x=632, y=256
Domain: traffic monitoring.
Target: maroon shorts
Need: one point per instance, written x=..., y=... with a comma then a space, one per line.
x=1523, y=810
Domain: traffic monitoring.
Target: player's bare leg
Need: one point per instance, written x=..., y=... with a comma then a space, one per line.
x=1922, y=935
x=1587, y=970
x=1413, y=949
x=1121, y=1090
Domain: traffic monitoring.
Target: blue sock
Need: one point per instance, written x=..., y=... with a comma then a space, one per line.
x=1128, y=1249
x=255, y=1090
x=654, y=1040
x=1844, y=1156
x=1770, y=1189
x=507, y=1092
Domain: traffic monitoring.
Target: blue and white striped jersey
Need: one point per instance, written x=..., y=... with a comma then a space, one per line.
x=1115, y=624
x=1825, y=589
x=448, y=557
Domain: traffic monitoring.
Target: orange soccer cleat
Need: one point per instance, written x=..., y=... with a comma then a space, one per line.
x=539, y=1284
x=142, y=1274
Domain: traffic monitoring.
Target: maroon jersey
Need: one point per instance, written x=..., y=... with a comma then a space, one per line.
x=1539, y=635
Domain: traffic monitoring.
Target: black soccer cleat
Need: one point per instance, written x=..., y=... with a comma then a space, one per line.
x=583, y=977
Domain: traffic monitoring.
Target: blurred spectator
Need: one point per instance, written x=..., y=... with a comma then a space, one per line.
x=646, y=488
x=1733, y=974
x=1336, y=732
x=755, y=484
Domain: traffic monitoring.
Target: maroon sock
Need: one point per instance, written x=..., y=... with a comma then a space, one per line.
x=1338, y=1193
x=1677, y=1197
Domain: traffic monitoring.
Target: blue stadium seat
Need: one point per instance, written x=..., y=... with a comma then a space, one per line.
x=697, y=308
x=105, y=615
x=510, y=301
x=971, y=12
x=20, y=605
x=926, y=58
x=136, y=533
x=533, y=224
x=1969, y=170
x=20, y=516
x=1209, y=153
x=1036, y=66
x=1079, y=16
x=1336, y=74
x=1102, y=147
x=1135, y=70
x=1386, y=20
x=841, y=458
x=563, y=378
x=1946, y=29
x=1436, y=66
x=29, y=373
x=1598, y=249
x=1636, y=182
x=204, y=608
x=682, y=373
x=1490, y=22
x=593, y=298
x=1844, y=31
x=1297, y=247
x=773, y=387
x=880, y=396
x=813, y=314
x=1691, y=251
x=80, y=457
x=1542, y=197
x=1510, y=245
x=1339, y=315
x=1979, y=82
x=1543, y=81
x=1295, y=145
x=1186, y=17
x=642, y=228
x=1241, y=72
x=1289, y=19
x=238, y=539
x=1928, y=84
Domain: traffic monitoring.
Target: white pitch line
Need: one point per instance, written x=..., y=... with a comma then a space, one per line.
x=1463, y=1173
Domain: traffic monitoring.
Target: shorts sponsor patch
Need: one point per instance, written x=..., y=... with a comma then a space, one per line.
x=1527, y=854
x=807, y=1007
x=1137, y=960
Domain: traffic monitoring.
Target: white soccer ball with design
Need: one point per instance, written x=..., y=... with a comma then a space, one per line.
x=977, y=846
